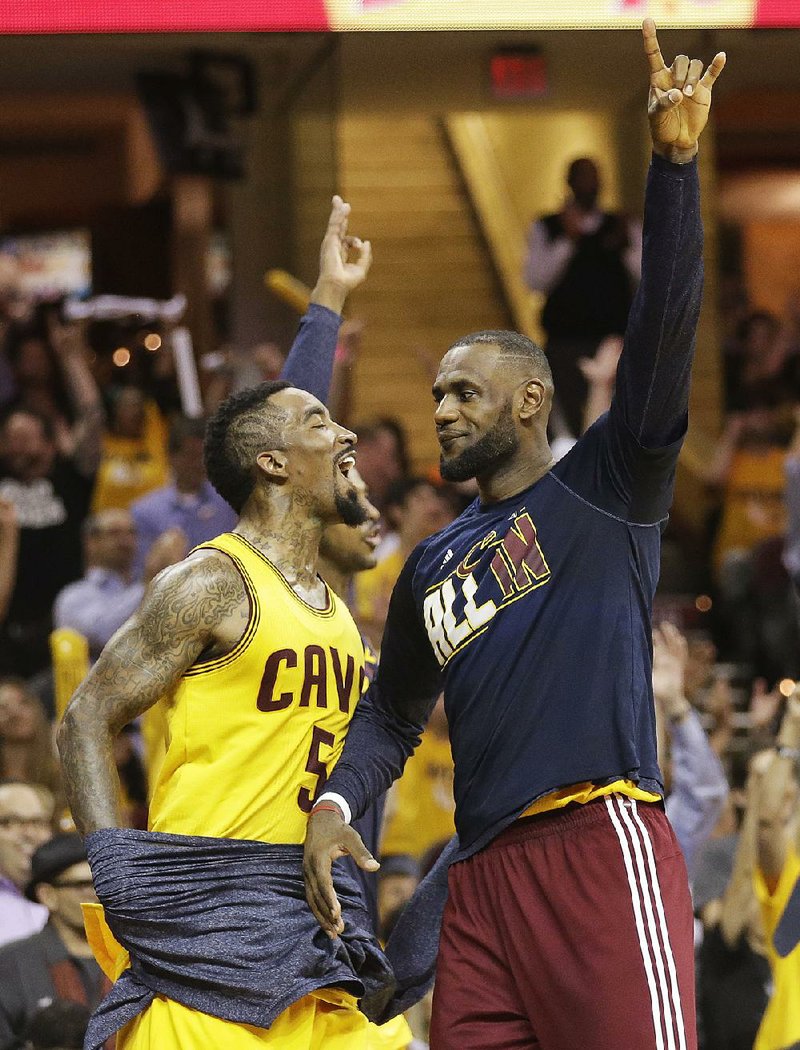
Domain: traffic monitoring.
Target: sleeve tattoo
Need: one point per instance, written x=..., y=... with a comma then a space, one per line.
x=196, y=605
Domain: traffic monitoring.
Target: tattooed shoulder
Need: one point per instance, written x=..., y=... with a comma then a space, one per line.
x=202, y=598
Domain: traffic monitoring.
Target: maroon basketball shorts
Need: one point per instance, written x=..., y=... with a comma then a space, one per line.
x=572, y=930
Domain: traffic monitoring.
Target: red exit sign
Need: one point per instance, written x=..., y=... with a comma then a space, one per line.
x=518, y=74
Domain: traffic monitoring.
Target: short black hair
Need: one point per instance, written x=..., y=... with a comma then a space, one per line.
x=399, y=491
x=183, y=427
x=512, y=344
x=45, y=421
x=60, y=1023
x=236, y=433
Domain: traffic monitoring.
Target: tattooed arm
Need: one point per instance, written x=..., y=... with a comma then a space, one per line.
x=198, y=606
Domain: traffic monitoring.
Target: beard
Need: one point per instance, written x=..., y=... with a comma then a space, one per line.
x=496, y=447
x=349, y=507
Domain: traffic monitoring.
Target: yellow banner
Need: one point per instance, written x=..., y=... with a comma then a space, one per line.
x=537, y=14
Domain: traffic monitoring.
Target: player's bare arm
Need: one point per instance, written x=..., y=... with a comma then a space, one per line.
x=196, y=608
x=679, y=100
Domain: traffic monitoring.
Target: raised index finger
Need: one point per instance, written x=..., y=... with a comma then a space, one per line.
x=337, y=222
x=651, y=48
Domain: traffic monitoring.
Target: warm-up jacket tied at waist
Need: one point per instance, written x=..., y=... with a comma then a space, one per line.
x=223, y=926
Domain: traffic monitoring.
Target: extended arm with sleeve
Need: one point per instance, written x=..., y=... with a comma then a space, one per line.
x=625, y=463
x=389, y=720
x=652, y=394
x=309, y=365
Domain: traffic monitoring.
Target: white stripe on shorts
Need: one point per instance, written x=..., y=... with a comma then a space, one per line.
x=650, y=919
x=662, y=920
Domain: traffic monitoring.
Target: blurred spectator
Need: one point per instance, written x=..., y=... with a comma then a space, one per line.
x=791, y=550
x=189, y=502
x=134, y=453
x=382, y=457
x=600, y=373
x=9, y=552
x=40, y=381
x=27, y=748
x=102, y=601
x=761, y=366
x=754, y=613
x=733, y=974
x=24, y=826
x=50, y=493
x=56, y=963
x=587, y=262
x=776, y=797
x=59, y=1026
x=694, y=777
x=421, y=807
x=98, y=604
x=414, y=509
x=398, y=877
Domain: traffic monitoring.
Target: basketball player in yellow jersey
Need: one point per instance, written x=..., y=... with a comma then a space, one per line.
x=261, y=665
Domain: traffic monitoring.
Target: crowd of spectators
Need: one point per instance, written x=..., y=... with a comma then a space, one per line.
x=102, y=486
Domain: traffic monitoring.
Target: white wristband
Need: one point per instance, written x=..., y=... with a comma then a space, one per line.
x=342, y=803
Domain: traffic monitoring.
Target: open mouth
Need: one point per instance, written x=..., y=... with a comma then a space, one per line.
x=372, y=537
x=346, y=463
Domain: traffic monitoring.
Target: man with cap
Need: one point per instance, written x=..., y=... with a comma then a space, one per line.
x=56, y=963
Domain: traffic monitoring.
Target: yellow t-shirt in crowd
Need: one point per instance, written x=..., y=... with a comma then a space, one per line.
x=253, y=736
x=421, y=805
x=780, y=1025
x=753, y=505
x=132, y=467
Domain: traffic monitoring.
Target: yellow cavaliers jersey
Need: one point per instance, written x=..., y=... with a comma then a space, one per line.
x=254, y=735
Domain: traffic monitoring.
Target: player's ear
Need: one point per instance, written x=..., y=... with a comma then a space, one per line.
x=532, y=396
x=273, y=463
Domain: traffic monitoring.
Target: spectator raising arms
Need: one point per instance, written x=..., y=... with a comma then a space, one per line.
x=50, y=493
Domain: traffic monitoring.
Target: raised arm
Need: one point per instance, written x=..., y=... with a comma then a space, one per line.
x=196, y=606
x=652, y=393
x=699, y=788
x=69, y=343
x=310, y=361
x=9, y=552
x=386, y=728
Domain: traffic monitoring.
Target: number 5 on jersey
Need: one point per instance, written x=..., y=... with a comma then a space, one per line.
x=315, y=765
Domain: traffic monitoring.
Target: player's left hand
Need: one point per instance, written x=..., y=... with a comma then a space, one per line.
x=327, y=838
x=680, y=97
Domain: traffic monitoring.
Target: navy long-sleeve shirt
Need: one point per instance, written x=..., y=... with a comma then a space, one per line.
x=534, y=613
x=309, y=364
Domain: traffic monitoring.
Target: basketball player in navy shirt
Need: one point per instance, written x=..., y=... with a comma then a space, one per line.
x=569, y=922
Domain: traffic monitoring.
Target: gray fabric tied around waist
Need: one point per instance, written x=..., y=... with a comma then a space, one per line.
x=223, y=926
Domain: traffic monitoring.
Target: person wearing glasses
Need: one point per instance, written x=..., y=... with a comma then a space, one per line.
x=55, y=963
x=25, y=823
